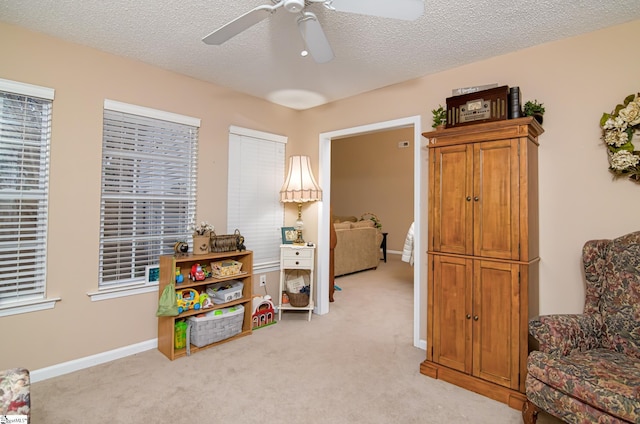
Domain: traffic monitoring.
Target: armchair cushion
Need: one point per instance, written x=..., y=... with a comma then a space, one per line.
x=586, y=377
x=345, y=218
x=363, y=224
x=342, y=225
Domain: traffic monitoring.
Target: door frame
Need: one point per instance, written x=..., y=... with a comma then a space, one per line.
x=419, y=204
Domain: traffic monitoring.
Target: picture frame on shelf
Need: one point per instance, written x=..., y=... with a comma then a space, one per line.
x=289, y=234
x=152, y=274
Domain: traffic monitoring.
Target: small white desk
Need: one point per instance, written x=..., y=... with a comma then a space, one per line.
x=295, y=257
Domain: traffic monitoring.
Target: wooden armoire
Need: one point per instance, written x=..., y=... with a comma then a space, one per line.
x=482, y=255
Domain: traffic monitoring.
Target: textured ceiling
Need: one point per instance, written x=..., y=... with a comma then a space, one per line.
x=265, y=60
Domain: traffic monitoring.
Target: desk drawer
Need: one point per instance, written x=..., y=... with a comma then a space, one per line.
x=302, y=263
x=297, y=253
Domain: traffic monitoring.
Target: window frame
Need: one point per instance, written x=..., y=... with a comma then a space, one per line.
x=138, y=284
x=40, y=301
x=234, y=132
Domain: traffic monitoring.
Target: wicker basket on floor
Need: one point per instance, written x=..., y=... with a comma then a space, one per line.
x=298, y=300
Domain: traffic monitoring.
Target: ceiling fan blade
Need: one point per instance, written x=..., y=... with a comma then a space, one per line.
x=239, y=24
x=408, y=10
x=314, y=38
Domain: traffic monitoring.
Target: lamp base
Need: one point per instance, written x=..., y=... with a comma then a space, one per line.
x=299, y=225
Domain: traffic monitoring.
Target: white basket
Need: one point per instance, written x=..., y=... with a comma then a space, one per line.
x=225, y=291
x=216, y=325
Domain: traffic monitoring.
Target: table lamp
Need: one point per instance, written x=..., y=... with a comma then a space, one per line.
x=300, y=187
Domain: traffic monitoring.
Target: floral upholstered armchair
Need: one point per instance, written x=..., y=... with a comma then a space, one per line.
x=15, y=392
x=587, y=368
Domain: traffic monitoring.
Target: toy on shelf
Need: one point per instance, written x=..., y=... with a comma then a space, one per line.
x=180, y=334
x=207, y=273
x=187, y=299
x=196, y=273
x=205, y=301
x=263, y=312
x=179, y=276
x=181, y=248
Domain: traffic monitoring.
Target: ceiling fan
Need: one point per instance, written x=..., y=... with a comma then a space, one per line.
x=315, y=40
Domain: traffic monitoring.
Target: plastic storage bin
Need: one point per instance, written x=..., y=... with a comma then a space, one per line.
x=216, y=325
x=225, y=291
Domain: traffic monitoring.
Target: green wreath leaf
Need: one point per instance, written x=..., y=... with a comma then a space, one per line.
x=629, y=99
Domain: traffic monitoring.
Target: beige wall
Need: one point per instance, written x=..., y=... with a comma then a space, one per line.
x=82, y=79
x=577, y=79
x=369, y=173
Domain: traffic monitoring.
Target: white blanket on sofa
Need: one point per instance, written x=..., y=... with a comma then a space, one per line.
x=407, y=251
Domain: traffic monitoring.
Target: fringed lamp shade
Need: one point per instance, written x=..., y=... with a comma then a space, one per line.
x=300, y=187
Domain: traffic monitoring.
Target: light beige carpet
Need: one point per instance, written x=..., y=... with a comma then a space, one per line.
x=353, y=365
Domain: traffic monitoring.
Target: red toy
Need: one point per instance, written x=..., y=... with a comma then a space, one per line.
x=196, y=273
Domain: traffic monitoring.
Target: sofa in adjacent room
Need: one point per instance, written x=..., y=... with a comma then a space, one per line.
x=357, y=247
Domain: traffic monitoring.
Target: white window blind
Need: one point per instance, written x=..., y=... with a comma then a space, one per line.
x=256, y=174
x=25, y=137
x=148, y=189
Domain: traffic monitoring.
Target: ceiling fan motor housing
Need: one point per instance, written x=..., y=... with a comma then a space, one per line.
x=294, y=6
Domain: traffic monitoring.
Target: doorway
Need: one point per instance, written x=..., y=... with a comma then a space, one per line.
x=419, y=203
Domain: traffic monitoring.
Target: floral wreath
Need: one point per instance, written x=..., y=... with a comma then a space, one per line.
x=617, y=131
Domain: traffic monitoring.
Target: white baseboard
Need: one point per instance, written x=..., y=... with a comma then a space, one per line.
x=90, y=361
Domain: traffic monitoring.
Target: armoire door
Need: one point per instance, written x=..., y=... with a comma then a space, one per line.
x=496, y=318
x=452, y=296
x=496, y=199
x=452, y=208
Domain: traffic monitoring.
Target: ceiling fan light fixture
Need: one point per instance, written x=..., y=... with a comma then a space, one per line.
x=294, y=6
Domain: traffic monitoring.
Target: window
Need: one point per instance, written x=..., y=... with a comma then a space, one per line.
x=25, y=137
x=148, y=189
x=256, y=175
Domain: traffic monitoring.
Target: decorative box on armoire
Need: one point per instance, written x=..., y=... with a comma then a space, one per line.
x=482, y=255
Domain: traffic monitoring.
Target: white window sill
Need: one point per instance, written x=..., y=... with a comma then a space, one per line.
x=114, y=293
x=28, y=306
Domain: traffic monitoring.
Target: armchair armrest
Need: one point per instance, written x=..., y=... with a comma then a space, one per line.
x=15, y=387
x=564, y=334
